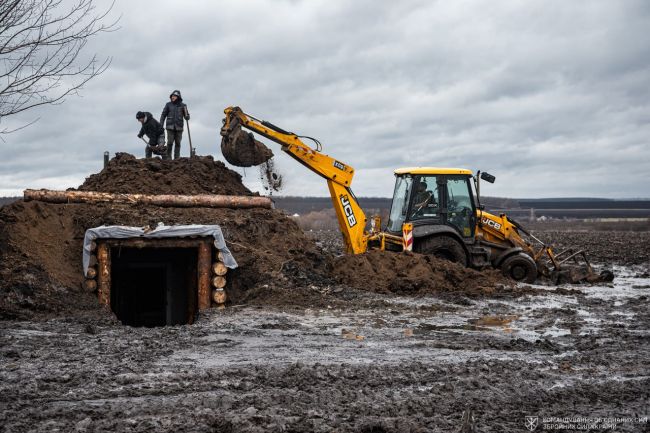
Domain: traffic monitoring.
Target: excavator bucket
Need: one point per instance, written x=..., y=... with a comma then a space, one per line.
x=240, y=148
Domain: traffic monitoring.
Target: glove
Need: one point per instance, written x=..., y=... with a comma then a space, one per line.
x=139, y=136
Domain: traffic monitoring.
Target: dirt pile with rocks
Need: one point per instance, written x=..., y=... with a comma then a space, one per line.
x=417, y=274
x=188, y=176
x=41, y=243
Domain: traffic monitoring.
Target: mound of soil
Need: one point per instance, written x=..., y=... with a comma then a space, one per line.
x=41, y=243
x=41, y=246
x=189, y=176
x=417, y=274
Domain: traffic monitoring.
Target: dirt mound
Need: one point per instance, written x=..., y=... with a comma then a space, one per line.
x=417, y=274
x=41, y=246
x=198, y=175
x=41, y=243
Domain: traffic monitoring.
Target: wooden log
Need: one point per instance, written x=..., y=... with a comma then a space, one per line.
x=220, y=256
x=90, y=285
x=203, y=265
x=104, y=274
x=219, y=296
x=219, y=268
x=92, y=273
x=165, y=200
x=219, y=282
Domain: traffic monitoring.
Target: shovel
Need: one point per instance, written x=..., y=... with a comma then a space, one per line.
x=189, y=136
x=158, y=150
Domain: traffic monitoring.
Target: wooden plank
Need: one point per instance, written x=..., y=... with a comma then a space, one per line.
x=104, y=274
x=156, y=243
x=204, y=263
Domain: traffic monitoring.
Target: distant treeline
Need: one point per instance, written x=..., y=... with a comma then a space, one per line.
x=554, y=208
x=584, y=204
x=304, y=205
x=7, y=200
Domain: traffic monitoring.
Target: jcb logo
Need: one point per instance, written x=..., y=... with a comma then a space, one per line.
x=347, y=209
x=339, y=165
x=495, y=225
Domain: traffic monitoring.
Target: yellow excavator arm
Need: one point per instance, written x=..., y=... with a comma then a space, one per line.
x=351, y=218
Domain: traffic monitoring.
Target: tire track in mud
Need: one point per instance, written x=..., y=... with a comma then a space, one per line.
x=219, y=373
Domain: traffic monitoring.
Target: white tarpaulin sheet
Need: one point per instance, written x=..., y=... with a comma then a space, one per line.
x=161, y=231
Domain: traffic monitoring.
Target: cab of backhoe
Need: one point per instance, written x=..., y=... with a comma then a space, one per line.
x=432, y=198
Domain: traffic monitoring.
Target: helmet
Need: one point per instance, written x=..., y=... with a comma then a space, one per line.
x=176, y=93
x=140, y=115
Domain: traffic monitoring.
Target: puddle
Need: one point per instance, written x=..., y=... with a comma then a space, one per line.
x=251, y=364
x=627, y=284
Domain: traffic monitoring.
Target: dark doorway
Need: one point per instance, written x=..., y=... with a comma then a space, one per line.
x=154, y=286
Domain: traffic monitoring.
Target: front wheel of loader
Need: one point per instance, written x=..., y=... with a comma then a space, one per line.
x=444, y=247
x=520, y=267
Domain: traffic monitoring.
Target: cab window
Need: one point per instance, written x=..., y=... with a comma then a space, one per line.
x=460, y=213
x=399, y=207
x=426, y=198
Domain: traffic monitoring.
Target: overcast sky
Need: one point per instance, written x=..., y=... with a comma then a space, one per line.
x=551, y=97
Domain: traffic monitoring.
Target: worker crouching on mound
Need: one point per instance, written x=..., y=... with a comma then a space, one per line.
x=154, y=130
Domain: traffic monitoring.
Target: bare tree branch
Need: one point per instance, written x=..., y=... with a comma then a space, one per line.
x=41, y=44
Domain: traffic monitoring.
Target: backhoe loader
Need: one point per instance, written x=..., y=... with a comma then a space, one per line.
x=434, y=211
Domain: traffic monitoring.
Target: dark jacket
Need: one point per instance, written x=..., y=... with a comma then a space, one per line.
x=174, y=113
x=151, y=128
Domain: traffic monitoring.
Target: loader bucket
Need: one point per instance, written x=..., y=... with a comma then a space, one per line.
x=580, y=274
x=573, y=267
x=568, y=266
x=241, y=149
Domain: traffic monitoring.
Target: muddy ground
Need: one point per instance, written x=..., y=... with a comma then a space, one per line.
x=356, y=361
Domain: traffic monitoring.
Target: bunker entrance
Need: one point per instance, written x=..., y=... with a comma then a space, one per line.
x=157, y=282
x=154, y=286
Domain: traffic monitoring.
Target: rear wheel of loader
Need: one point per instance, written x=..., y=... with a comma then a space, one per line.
x=444, y=247
x=520, y=267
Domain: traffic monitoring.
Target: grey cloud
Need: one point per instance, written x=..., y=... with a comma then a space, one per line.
x=551, y=97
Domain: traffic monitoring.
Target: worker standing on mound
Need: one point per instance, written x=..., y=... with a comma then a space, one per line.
x=154, y=130
x=172, y=117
